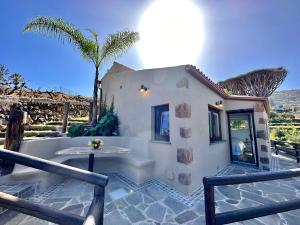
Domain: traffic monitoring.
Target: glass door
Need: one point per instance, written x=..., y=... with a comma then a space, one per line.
x=242, y=142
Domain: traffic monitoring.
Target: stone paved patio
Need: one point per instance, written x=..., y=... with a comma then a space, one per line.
x=152, y=203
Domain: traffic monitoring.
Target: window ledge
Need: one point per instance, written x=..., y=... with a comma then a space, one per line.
x=217, y=142
x=160, y=142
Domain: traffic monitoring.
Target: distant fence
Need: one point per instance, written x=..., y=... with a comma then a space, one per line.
x=290, y=148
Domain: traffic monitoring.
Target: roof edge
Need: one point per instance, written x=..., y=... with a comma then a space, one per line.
x=205, y=80
x=200, y=76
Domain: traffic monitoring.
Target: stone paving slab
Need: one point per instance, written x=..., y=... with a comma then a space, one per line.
x=151, y=204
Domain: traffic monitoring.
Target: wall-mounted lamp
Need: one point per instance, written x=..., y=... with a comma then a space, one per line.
x=219, y=103
x=143, y=89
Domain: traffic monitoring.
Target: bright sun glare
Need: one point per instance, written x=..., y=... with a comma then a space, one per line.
x=171, y=32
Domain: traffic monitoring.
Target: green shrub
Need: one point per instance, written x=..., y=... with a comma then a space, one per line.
x=76, y=130
x=108, y=124
x=278, y=134
x=281, y=118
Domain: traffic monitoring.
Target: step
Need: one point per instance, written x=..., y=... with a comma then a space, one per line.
x=41, y=128
x=37, y=134
x=2, y=140
x=78, y=120
x=59, y=123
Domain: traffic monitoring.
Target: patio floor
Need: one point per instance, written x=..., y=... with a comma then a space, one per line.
x=155, y=203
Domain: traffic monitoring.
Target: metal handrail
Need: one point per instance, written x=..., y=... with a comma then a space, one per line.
x=95, y=212
x=295, y=145
x=249, y=213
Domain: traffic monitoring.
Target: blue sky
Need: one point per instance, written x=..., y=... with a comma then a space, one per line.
x=239, y=36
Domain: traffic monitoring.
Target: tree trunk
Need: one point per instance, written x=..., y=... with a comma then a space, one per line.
x=101, y=101
x=91, y=112
x=65, y=117
x=95, y=97
x=13, y=136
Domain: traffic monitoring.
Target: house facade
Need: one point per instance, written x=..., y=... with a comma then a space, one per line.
x=192, y=127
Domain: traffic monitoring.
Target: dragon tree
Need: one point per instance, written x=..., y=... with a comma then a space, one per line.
x=260, y=83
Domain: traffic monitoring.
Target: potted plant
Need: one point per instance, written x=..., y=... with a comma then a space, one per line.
x=96, y=143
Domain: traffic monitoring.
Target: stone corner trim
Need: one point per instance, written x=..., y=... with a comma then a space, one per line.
x=261, y=134
x=259, y=107
x=264, y=148
x=262, y=121
x=185, y=178
x=185, y=132
x=183, y=83
x=184, y=156
x=264, y=160
x=183, y=110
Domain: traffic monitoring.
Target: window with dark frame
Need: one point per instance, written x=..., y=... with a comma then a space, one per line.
x=214, y=122
x=161, y=123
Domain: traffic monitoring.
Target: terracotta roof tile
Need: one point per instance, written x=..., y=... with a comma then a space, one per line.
x=199, y=75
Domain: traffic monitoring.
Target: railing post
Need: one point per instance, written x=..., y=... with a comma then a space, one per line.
x=96, y=210
x=209, y=197
x=99, y=193
x=275, y=146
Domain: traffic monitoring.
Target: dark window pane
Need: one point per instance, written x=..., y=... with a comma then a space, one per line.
x=161, y=122
x=214, y=124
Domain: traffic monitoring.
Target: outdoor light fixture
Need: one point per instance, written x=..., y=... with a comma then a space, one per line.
x=143, y=89
x=219, y=103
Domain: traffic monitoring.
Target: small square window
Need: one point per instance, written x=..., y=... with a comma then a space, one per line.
x=214, y=123
x=161, y=123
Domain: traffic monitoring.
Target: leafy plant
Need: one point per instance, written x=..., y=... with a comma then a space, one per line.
x=281, y=118
x=278, y=134
x=76, y=130
x=103, y=109
x=108, y=125
x=90, y=48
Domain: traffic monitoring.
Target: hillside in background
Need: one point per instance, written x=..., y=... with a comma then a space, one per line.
x=285, y=98
x=286, y=101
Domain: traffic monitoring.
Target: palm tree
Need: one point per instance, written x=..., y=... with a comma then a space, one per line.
x=90, y=48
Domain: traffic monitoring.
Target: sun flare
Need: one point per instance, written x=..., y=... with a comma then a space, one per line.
x=171, y=32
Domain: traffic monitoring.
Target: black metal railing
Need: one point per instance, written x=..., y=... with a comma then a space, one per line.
x=213, y=218
x=95, y=212
x=290, y=148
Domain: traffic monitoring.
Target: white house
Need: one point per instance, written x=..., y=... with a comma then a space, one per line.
x=192, y=127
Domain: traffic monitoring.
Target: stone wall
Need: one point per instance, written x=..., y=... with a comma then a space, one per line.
x=43, y=111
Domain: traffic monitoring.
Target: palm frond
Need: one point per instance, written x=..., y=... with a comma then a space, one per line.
x=117, y=44
x=63, y=31
x=95, y=50
x=93, y=33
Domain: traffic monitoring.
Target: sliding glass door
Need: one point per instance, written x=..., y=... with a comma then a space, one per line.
x=241, y=134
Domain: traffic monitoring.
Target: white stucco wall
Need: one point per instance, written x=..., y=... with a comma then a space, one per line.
x=134, y=110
